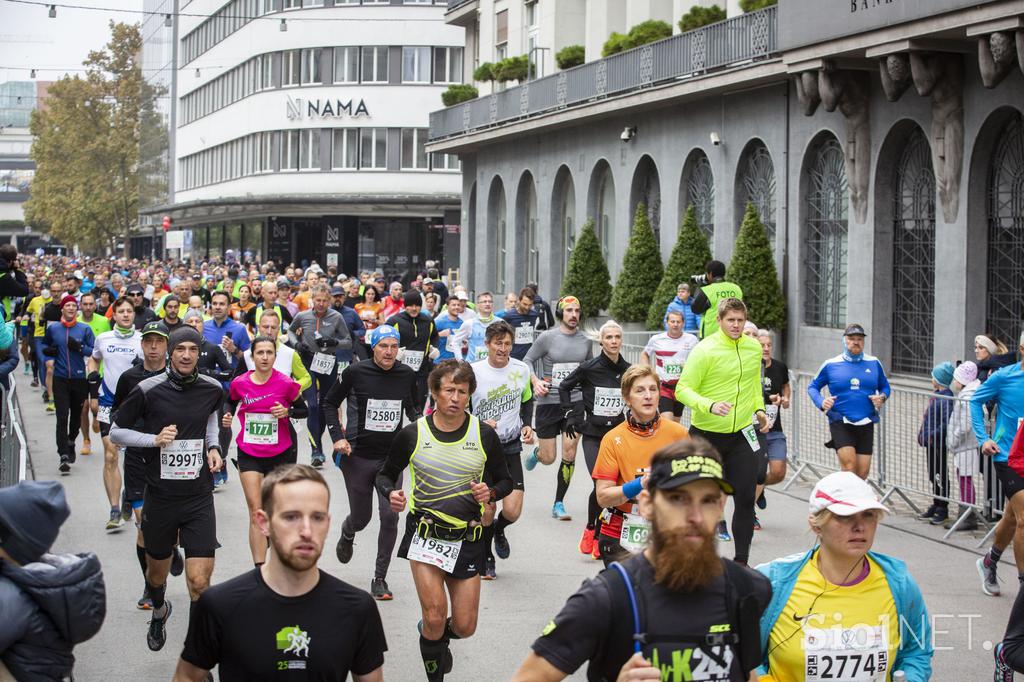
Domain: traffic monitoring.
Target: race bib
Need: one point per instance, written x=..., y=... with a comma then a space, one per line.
x=672, y=371
x=383, y=416
x=751, y=435
x=773, y=413
x=435, y=552
x=414, y=359
x=607, y=402
x=635, y=529
x=260, y=429
x=103, y=415
x=560, y=370
x=858, y=654
x=181, y=460
x=323, y=363
x=524, y=334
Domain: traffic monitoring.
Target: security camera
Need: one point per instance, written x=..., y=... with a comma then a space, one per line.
x=628, y=133
x=716, y=140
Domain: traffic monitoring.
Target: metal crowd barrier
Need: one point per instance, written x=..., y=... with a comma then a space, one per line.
x=14, y=461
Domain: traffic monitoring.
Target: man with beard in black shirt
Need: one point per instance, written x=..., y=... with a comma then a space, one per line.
x=675, y=611
x=178, y=439
x=286, y=617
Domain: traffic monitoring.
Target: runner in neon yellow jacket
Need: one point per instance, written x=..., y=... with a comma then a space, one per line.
x=722, y=369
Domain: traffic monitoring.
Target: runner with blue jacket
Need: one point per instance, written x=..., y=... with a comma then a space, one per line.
x=857, y=388
x=69, y=342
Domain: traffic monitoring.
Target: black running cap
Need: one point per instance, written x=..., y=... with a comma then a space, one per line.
x=669, y=474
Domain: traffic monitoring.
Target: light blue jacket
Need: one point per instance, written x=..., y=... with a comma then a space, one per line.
x=691, y=320
x=1006, y=387
x=914, y=655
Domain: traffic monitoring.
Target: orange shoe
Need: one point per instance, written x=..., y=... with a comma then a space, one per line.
x=596, y=552
x=86, y=448
x=587, y=541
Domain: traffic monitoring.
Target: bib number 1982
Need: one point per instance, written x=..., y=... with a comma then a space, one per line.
x=435, y=552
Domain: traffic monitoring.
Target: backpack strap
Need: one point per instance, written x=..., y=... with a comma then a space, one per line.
x=744, y=613
x=631, y=597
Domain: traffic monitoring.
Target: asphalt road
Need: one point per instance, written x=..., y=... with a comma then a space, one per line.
x=544, y=569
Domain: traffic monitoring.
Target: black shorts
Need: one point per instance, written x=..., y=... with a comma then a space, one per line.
x=670, y=405
x=94, y=391
x=1010, y=480
x=104, y=429
x=514, y=459
x=470, y=563
x=264, y=465
x=861, y=438
x=134, y=475
x=188, y=521
x=548, y=419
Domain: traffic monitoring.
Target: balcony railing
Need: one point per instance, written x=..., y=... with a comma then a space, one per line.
x=728, y=43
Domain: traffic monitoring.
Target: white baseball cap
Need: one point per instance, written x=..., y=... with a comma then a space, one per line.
x=844, y=493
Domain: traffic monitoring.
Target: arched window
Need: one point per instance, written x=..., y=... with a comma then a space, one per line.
x=758, y=186
x=700, y=191
x=604, y=218
x=647, y=189
x=526, y=224
x=1005, y=306
x=913, y=253
x=563, y=208
x=825, y=229
x=497, y=214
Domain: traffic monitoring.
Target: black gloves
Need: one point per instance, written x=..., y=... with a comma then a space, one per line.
x=572, y=423
x=74, y=345
x=50, y=351
x=323, y=343
x=93, y=379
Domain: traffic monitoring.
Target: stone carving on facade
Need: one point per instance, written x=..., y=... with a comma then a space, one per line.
x=896, y=76
x=807, y=91
x=941, y=76
x=848, y=91
x=997, y=55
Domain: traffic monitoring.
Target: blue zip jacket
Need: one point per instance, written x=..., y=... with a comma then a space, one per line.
x=1006, y=387
x=913, y=656
x=932, y=433
x=852, y=383
x=691, y=320
x=355, y=327
x=69, y=364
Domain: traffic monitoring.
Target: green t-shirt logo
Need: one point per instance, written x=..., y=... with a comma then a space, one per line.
x=292, y=640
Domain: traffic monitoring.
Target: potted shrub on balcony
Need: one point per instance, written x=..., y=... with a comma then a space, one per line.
x=570, y=56
x=754, y=5
x=701, y=16
x=484, y=73
x=457, y=93
x=645, y=32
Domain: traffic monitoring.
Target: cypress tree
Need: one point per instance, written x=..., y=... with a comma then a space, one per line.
x=641, y=272
x=689, y=256
x=587, y=276
x=753, y=268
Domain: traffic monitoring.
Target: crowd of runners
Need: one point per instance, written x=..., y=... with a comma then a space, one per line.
x=186, y=374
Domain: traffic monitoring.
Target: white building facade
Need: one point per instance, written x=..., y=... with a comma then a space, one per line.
x=298, y=131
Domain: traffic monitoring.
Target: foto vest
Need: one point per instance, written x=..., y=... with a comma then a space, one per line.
x=716, y=291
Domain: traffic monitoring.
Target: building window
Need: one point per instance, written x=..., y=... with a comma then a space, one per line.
x=267, y=72
x=1005, y=291
x=414, y=156
x=311, y=66
x=501, y=27
x=292, y=4
x=913, y=249
x=373, y=148
x=346, y=65
x=291, y=67
x=266, y=6
x=415, y=64
x=290, y=150
x=375, y=64
x=313, y=3
x=445, y=162
x=447, y=64
x=309, y=149
x=700, y=191
x=826, y=229
x=266, y=142
x=345, y=149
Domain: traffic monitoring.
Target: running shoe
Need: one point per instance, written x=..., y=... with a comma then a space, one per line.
x=380, y=590
x=126, y=509
x=757, y=523
x=989, y=579
x=941, y=514
x=316, y=460
x=86, y=447
x=928, y=513
x=489, y=572
x=115, y=521
x=558, y=512
x=531, y=460
x=72, y=456
x=1003, y=672
x=177, y=562
x=344, y=548
x=220, y=479
x=596, y=551
x=27, y=370
x=35, y=383
x=501, y=547
x=50, y=407
x=157, y=635
x=46, y=396
x=723, y=532
x=587, y=541
x=144, y=603
x=65, y=466
x=762, y=502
